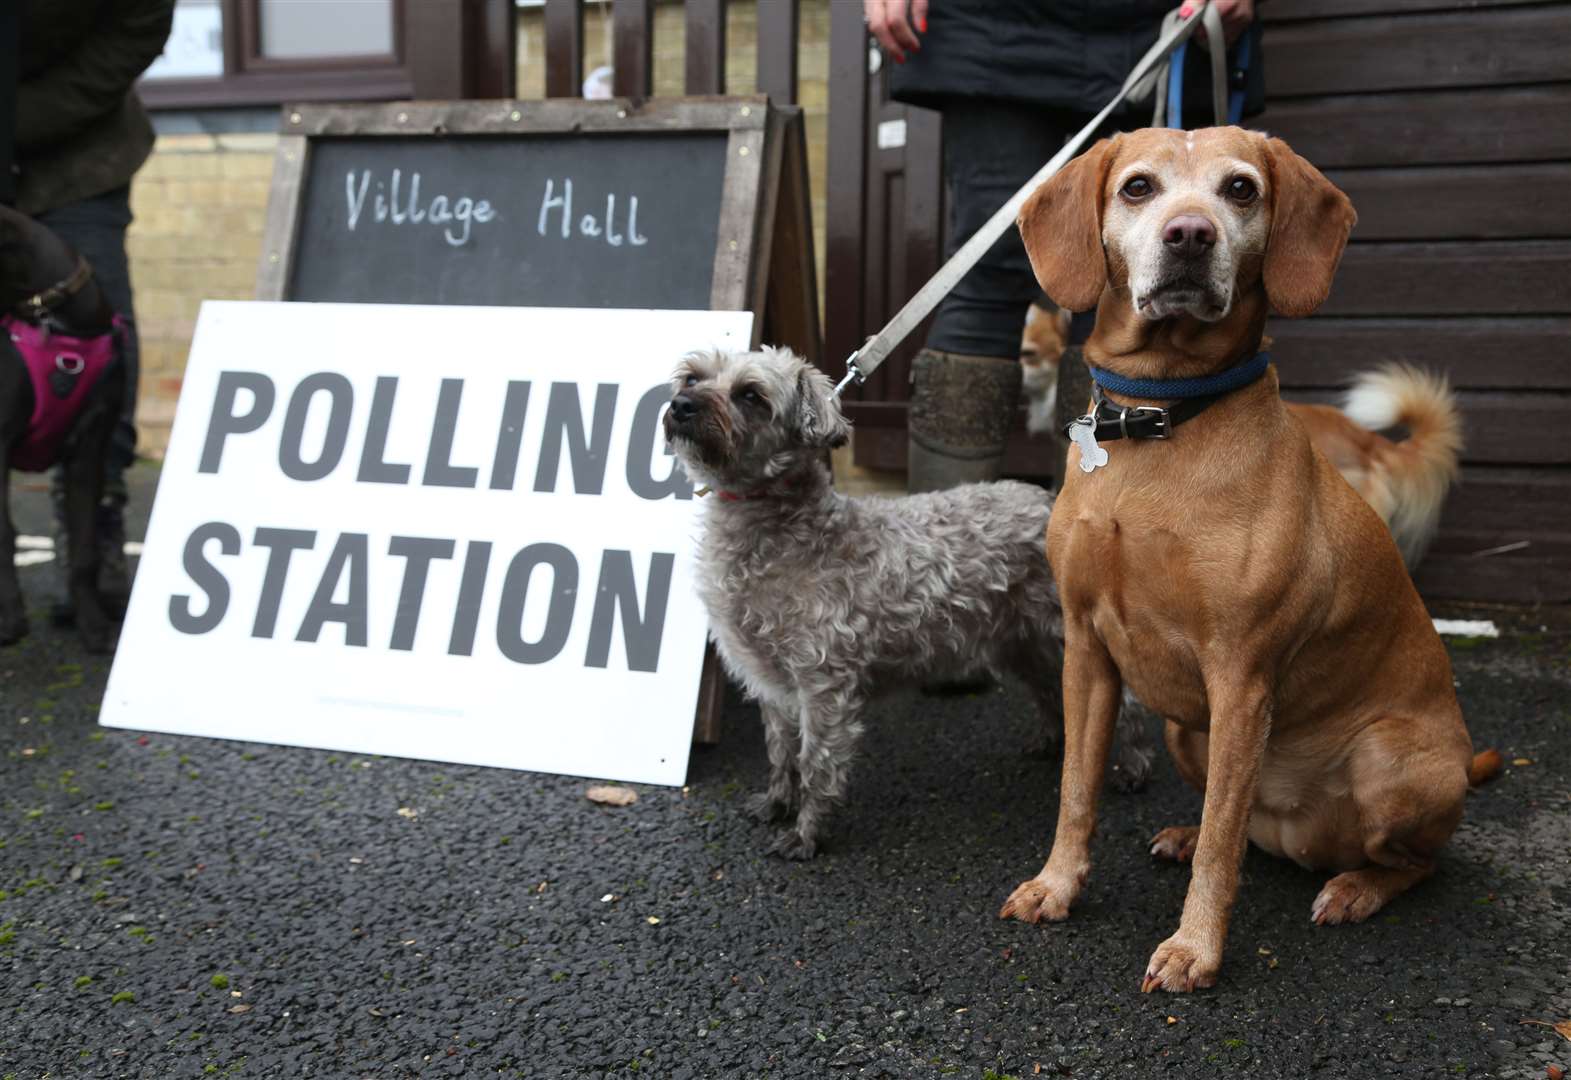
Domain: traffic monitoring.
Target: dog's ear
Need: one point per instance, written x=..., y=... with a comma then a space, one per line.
x=1061, y=224
x=1310, y=220
x=819, y=421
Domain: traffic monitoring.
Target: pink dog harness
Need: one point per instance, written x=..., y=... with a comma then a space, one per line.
x=63, y=369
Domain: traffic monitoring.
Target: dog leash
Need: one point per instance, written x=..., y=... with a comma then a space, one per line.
x=865, y=360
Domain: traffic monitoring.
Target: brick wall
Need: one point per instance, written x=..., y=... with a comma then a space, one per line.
x=199, y=204
x=201, y=199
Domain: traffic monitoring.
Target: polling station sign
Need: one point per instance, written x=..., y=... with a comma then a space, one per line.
x=437, y=532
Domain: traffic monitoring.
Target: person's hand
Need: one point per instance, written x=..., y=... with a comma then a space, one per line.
x=1236, y=17
x=892, y=23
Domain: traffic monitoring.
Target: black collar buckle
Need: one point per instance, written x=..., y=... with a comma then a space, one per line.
x=1149, y=421
x=1160, y=425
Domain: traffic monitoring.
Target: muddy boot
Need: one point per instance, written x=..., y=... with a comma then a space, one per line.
x=962, y=410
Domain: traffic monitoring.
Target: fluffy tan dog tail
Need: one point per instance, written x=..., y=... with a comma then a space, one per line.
x=1485, y=767
x=1419, y=470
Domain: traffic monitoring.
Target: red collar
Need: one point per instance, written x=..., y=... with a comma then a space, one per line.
x=761, y=493
x=733, y=496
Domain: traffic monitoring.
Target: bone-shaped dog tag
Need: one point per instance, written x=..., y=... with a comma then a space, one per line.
x=1083, y=433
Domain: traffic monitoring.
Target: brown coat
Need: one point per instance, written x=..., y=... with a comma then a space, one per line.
x=80, y=129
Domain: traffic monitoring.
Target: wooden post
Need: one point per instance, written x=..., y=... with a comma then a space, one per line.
x=705, y=60
x=633, y=48
x=777, y=39
x=564, y=48
x=494, y=58
x=436, y=48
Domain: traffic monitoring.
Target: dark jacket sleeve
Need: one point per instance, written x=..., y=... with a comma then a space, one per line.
x=96, y=77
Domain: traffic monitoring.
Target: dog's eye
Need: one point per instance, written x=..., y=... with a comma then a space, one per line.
x=1136, y=188
x=691, y=380
x=751, y=397
x=1242, y=190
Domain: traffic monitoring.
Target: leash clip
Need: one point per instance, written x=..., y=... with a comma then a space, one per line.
x=853, y=374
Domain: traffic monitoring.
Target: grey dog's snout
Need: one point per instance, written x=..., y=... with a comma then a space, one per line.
x=1189, y=235
x=683, y=408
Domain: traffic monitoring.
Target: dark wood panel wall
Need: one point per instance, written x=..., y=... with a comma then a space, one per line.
x=1449, y=124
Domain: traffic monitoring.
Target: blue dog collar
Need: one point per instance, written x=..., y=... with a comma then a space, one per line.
x=1223, y=382
x=1107, y=421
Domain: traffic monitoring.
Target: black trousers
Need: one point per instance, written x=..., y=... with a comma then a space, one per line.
x=96, y=228
x=991, y=148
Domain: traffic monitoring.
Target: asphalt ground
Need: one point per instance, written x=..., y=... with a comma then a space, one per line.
x=183, y=907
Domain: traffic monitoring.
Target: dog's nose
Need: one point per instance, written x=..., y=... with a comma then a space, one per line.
x=683, y=408
x=1189, y=234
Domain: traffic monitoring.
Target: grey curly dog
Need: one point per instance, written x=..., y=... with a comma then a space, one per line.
x=817, y=601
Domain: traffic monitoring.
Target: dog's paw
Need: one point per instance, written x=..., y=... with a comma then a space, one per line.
x=765, y=807
x=1348, y=898
x=1179, y=966
x=792, y=844
x=13, y=628
x=1177, y=842
x=1034, y=900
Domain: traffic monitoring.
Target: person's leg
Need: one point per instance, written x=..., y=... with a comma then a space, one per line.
x=96, y=228
x=966, y=382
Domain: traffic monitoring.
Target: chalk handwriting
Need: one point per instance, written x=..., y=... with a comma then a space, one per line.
x=456, y=216
x=588, y=225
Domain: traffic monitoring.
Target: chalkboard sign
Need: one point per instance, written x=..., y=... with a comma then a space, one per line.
x=679, y=203
x=625, y=221
x=670, y=203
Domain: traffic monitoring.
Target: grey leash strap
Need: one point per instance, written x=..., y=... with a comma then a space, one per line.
x=863, y=362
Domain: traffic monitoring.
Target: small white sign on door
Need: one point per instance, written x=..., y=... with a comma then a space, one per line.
x=436, y=532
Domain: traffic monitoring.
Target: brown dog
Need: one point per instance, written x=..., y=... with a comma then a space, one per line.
x=1229, y=575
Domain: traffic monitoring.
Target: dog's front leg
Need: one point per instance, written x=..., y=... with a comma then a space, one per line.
x=1092, y=690
x=782, y=738
x=84, y=482
x=831, y=725
x=13, y=612
x=1240, y=723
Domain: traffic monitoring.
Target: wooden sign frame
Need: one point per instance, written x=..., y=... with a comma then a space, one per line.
x=764, y=246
